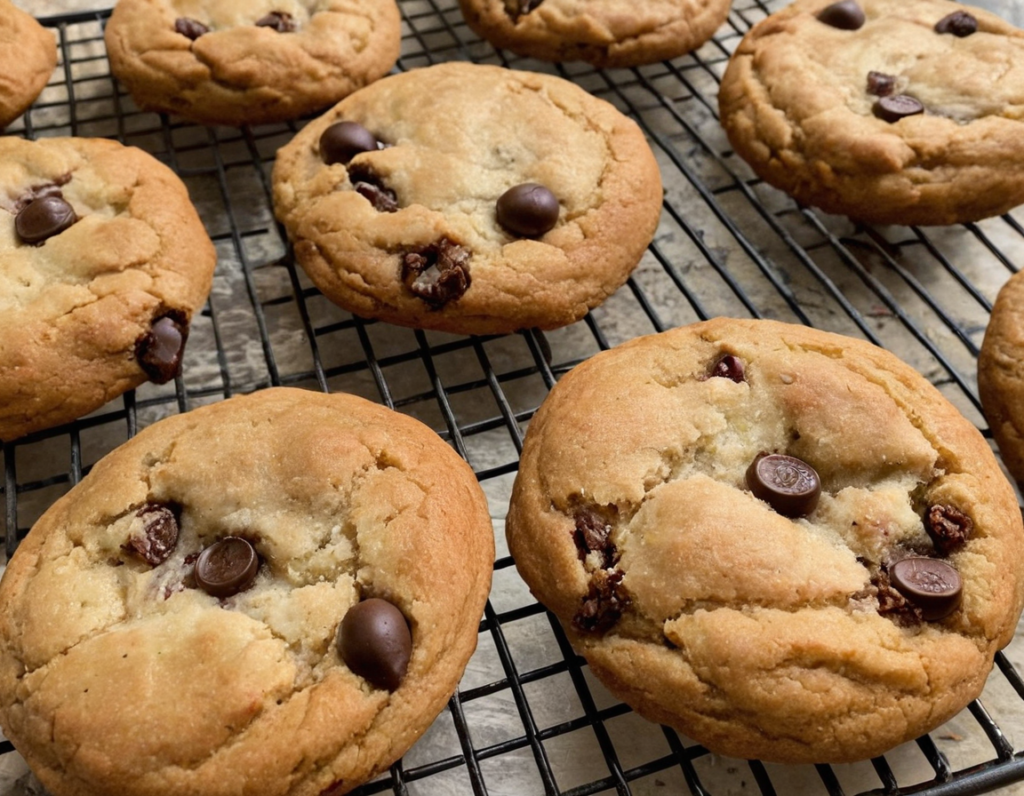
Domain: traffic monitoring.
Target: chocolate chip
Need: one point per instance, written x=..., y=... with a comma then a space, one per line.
x=375, y=642
x=896, y=107
x=787, y=484
x=342, y=141
x=190, y=28
x=948, y=527
x=157, y=537
x=528, y=210
x=881, y=84
x=959, y=23
x=40, y=191
x=845, y=15
x=159, y=351
x=729, y=367
x=891, y=603
x=280, y=21
x=227, y=567
x=604, y=604
x=369, y=185
x=933, y=586
x=439, y=273
x=592, y=534
x=43, y=218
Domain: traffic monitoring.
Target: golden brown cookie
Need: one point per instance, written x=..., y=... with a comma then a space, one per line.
x=274, y=594
x=249, y=61
x=470, y=199
x=103, y=261
x=888, y=111
x=28, y=54
x=605, y=33
x=783, y=542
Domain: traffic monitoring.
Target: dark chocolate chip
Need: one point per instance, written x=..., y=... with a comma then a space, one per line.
x=369, y=185
x=881, y=84
x=190, y=28
x=896, y=107
x=948, y=527
x=280, y=21
x=43, y=218
x=845, y=15
x=891, y=603
x=375, y=642
x=438, y=273
x=38, y=192
x=959, y=23
x=729, y=367
x=227, y=567
x=528, y=210
x=159, y=351
x=932, y=585
x=592, y=533
x=787, y=484
x=342, y=141
x=604, y=604
x=159, y=533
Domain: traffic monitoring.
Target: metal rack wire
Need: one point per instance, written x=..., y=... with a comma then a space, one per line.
x=529, y=718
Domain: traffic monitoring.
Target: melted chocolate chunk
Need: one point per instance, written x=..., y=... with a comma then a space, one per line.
x=227, y=567
x=527, y=210
x=280, y=21
x=159, y=533
x=959, y=23
x=845, y=15
x=342, y=141
x=439, y=273
x=370, y=186
x=729, y=367
x=787, y=484
x=159, y=351
x=375, y=642
x=44, y=217
x=896, y=107
x=931, y=585
x=41, y=191
x=190, y=28
x=891, y=603
x=881, y=84
x=604, y=604
x=948, y=527
x=592, y=534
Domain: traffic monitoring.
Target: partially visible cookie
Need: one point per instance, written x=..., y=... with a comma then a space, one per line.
x=783, y=542
x=28, y=54
x=103, y=261
x=606, y=33
x=1001, y=374
x=275, y=594
x=888, y=111
x=249, y=61
x=470, y=199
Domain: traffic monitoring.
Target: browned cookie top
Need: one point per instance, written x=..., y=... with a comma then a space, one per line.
x=28, y=55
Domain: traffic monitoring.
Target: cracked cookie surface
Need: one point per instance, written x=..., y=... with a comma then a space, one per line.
x=905, y=118
x=123, y=672
x=790, y=639
x=249, y=61
x=101, y=299
x=28, y=54
x=605, y=33
x=406, y=230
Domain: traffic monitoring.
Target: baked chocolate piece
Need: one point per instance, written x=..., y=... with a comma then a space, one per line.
x=28, y=54
x=783, y=542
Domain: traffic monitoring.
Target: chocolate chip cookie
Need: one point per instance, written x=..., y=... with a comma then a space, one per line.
x=470, y=199
x=783, y=542
x=253, y=61
x=614, y=33
x=103, y=261
x=273, y=594
x=28, y=54
x=888, y=111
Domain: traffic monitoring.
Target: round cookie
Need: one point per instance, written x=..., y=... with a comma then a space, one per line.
x=713, y=587
x=888, y=111
x=103, y=261
x=605, y=33
x=123, y=671
x=1001, y=374
x=249, y=61
x=28, y=54
x=402, y=224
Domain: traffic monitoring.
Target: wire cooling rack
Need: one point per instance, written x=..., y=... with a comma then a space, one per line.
x=529, y=718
